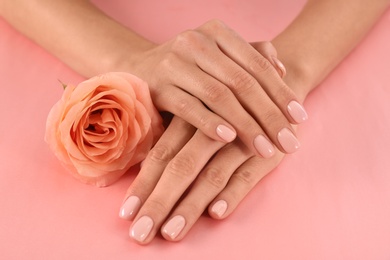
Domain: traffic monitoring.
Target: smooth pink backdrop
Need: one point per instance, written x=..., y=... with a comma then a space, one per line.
x=330, y=200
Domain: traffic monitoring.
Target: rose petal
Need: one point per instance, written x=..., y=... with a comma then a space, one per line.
x=102, y=127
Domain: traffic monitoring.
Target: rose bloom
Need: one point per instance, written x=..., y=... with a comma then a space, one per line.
x=103, y=126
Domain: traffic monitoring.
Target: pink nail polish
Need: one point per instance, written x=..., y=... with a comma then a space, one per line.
x=297, y=111
x=130, y=208
x=281, y=67
x=288, y=141
x=141, y=228
x=219, y=208
x=263, y=146
x=174, y=226
x=226, y=133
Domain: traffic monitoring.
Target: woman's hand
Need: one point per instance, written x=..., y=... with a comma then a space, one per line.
x=178, y=181
x=220, y=84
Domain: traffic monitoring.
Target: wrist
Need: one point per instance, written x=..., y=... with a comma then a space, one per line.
x=127, y=53
x=129, y=58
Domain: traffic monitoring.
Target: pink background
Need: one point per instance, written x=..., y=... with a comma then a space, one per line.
x=330, y=200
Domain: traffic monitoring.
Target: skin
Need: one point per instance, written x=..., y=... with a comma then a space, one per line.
x=214, y=84
x=310, y=47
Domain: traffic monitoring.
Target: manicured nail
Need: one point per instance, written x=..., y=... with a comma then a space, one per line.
x=226, y=133
x=219, y=208
x=174, y=226
x=141, y=228
x=263, y=146
x=288, y=140
x=281, y=67
x=130, y=208
x=297, y=112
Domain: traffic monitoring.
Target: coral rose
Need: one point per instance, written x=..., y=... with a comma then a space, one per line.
x=103, y=126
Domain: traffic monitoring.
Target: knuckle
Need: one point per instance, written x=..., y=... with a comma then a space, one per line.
x=285, y=92
x=248, y=125
x=270, y=117
x=186, y=109
x=181, y=40
x=246, y=177
x=215, y=93
x=204, y=122
x=168, y=62
x=188, y=39
x=215, y=27
x=183, y=107
x=193, y=209
x=161, y=154
x=241, y=82
x=259, y=64
x=216, y=24
x=215, y=177
x=159, y=207
x=182, y=166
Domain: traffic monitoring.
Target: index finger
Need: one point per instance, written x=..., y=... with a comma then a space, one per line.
x=176, y=178
x=154, y=164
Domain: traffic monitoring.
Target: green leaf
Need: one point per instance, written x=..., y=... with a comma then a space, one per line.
x=63, y=84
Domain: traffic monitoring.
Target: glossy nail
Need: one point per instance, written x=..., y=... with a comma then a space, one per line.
x=297, y=112
x=219, y=208
x=281, y=67
x=174, y=226
x=226, y=133
x=130, y=208
x=141, y=228
x=288, y=141
x=263, y=146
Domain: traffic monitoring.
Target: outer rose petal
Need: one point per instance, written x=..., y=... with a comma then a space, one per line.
x=98, y=103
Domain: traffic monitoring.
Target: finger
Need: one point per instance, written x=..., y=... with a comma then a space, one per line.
x=255, y=128
x=210, y=182
x=176, y=178
x=192, y=110
x=240, y=183
x=173, y=139
x=259, y=67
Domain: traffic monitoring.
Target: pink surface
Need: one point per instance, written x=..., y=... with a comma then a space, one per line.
x=330, y=200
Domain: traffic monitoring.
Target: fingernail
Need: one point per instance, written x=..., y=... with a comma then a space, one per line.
x=297, y=111
x=288, y=141
x=141, y=228
x=281, y=67
x=129, y=208
x=263, y=146
x=226, y=133
x=174, y=226
x=219, y=208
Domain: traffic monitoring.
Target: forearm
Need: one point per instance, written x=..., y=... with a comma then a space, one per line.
x=321, y=36
x=96, y=40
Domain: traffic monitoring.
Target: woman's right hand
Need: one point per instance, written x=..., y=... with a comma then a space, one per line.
x=219, y=83
x=185, y=173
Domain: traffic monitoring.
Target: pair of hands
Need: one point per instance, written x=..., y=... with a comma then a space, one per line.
x=218, y=87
